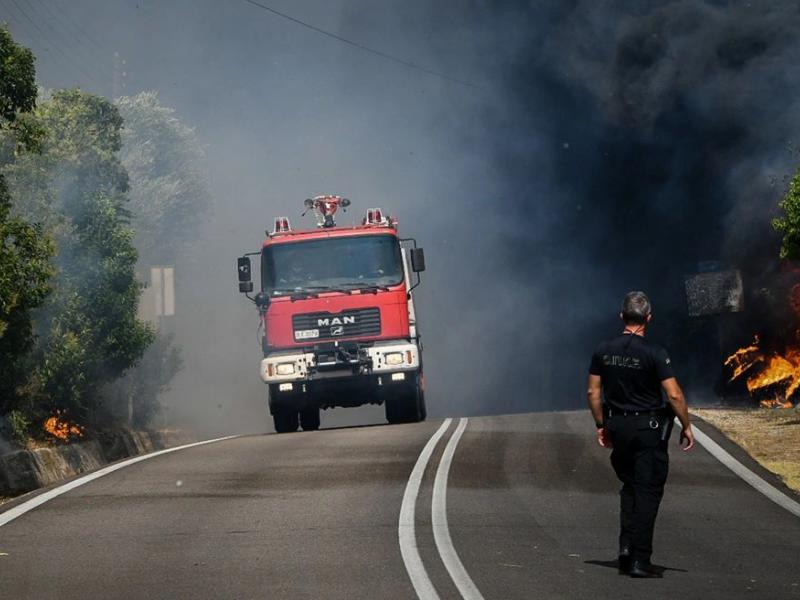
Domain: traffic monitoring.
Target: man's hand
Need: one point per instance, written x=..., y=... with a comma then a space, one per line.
x=687, y=435
x=595, y=387
x=603, y=439
x=678, y=403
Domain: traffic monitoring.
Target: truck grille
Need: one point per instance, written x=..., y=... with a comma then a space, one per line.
x=326, y=326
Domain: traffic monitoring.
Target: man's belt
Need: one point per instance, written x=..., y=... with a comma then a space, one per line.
x=646, y=412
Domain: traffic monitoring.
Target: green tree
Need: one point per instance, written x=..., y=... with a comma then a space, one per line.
x=142, y=385
x=789, y=224
x=92, y=335
x=169, y=199
x=17, y=90
x=169, y=195
x=25, y=250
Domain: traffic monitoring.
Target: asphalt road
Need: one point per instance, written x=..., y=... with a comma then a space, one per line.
x=531, y=509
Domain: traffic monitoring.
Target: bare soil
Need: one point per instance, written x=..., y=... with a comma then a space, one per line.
x=770, y=436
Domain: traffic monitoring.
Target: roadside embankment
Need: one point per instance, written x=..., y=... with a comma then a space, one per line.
x=28, y=469
x=770, y=436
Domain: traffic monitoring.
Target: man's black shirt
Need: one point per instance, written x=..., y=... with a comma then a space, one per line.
x=631, y=370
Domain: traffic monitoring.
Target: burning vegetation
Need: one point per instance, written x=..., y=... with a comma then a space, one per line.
x=772, y=376
x=61, y=428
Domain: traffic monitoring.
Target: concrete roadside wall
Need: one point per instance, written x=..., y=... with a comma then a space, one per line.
x=25, y=470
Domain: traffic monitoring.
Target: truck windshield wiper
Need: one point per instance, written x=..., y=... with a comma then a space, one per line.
x=295, y=293
x=313, y=291
x=366, y=288
x=324, y=289
x=301, y=294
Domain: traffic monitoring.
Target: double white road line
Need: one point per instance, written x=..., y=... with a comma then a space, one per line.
x=441, y=533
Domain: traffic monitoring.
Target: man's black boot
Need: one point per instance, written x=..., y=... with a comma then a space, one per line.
x=624, y=561
x=643, y=569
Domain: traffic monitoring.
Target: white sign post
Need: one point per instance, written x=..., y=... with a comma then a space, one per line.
x=156, y=301
x=168, y=289
x=158, y=298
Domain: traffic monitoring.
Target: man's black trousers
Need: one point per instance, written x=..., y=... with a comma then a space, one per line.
x=641, y=462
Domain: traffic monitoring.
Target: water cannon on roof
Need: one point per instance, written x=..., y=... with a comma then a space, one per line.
x=325, y=208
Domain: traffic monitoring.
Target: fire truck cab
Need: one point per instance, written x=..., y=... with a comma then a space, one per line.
x=337, y=317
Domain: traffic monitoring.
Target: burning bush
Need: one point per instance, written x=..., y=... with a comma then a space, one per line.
x=772, y=376
x=61, y=428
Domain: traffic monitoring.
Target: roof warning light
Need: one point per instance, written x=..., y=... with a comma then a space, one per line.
x=375, y=217
x=282, y=225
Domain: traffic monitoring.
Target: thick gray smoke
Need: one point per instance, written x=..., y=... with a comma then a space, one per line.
x=604, y=148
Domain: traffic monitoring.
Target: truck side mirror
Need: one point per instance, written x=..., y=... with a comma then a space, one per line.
x=245, y=274
x=417, y=260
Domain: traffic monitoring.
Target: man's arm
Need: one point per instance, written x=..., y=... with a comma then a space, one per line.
x=678, y=403
x=596, y=406
x=595, y=402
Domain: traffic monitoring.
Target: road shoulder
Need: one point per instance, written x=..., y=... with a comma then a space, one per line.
x=729, y=428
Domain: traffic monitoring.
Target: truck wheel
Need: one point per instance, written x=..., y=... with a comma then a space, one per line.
x=407, y=406
x=309, y=419
x=423, y=410
x=285, y=419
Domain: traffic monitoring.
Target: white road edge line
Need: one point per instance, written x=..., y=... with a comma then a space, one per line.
x=19, y=510
x=441, y=531
x=406, y=525
x=754, y=480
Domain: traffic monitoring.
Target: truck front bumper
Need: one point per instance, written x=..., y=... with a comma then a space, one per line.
x=385, y=360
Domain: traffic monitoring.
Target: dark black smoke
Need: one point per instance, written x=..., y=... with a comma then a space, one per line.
x=636, y=142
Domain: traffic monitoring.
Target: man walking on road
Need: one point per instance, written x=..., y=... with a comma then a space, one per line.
x=636, y=423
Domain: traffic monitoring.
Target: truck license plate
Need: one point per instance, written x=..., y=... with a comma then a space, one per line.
x=306, y=334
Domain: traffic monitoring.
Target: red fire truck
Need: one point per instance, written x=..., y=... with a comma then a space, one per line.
x=338, y=317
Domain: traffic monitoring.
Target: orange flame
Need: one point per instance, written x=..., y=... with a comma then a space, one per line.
x=777, y=372
x=776, y=402
x=62, y=429
x=744, y=358
x=771, y=376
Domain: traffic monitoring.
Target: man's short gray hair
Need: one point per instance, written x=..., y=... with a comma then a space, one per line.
x=636, y=308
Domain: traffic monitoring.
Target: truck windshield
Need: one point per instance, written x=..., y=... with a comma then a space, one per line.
x=342, y=263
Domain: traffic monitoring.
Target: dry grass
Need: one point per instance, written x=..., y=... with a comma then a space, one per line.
x=770, y=436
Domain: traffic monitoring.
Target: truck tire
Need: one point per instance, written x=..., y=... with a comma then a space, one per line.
x=285, y=419
x=309, y=419
x=407, y=406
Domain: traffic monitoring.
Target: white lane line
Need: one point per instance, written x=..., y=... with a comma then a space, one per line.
x=405, y=527
x=29, y=505
x=734, y=465
x=441, y=531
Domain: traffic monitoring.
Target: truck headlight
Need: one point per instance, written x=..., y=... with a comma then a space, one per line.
x=393, y=358
x=286, y=368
